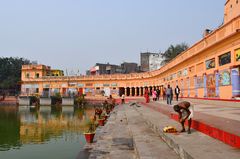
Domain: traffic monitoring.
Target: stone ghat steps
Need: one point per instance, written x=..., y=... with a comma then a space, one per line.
x=223, y=135
x=148, y=144
x=127, y=136
x=195, y=145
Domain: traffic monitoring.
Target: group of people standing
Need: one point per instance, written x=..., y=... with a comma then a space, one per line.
x=167, y=94
x=155, y=95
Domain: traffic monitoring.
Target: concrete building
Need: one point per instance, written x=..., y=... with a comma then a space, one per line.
x=128, y=67
x=102, y=69
x=150, y=61
x=55, y=72
x=210, y=69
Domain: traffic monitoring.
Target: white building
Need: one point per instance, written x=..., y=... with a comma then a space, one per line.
x=151, y=61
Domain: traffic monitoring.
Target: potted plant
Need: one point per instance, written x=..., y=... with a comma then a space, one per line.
x=101, y=120
x=91, y=128
x=105, y=116
x=106, y=106
x=98, y=112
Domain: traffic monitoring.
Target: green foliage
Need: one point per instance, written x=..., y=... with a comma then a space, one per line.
x=34, y=100
x=80, y=100
x=57, y=95
x=10, y=71
x=173, y=51
x=90, y=125
x=56, y=99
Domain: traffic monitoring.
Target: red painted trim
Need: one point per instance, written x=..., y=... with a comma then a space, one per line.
x=227, y=100
x=228, y=138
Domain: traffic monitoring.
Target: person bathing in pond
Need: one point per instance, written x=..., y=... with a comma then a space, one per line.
x=185, y=111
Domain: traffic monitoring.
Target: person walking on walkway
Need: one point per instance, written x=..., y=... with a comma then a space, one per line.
x=168, y=93
x=164, y=93
x=177, y=92
x=185, y=111
x=158, y=93
x=171, y=90
x=154, y=95
x=123, y=99
x=146, y=95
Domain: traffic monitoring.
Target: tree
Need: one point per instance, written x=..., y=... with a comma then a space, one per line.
x=173, y=51
x=10, y=72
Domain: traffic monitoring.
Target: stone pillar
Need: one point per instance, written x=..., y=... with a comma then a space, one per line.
x=205, y=84
x=136, y=91
x=124, y=91
x=195, y=86
x=130, y=88
x=217, y=83
x=235, y=82
x=188, y=86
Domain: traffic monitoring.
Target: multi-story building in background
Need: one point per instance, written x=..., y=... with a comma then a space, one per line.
x=150, y=61
x=103, y=69
x=129, y=67
x=33, y=73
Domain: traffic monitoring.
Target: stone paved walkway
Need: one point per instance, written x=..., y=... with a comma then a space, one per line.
x=127, y=136
x=114, y=140
x=136, y=132
x=196, y=145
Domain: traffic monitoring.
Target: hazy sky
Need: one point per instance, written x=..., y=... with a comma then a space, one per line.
x=76, y=34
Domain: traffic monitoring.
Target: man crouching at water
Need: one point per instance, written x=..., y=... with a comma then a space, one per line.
x=185, y=111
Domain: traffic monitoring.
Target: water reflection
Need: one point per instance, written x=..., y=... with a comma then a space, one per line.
x=9, y=128
x=40, y=125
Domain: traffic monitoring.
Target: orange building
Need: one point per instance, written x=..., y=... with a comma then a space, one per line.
x=208, y=69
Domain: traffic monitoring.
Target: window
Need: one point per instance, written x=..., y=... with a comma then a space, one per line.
x=179, y=74
x=225, y=59
x=237, y=54
x=27, y=75
x=27, y=90
x=185, y=72
x=37, y=75
x=210, y=63
x=192, y=69
x=37, y=90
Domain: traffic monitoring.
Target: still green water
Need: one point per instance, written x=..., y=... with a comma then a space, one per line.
x=45, y=132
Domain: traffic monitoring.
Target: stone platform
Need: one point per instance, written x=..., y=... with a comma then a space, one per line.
x=135, y=131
